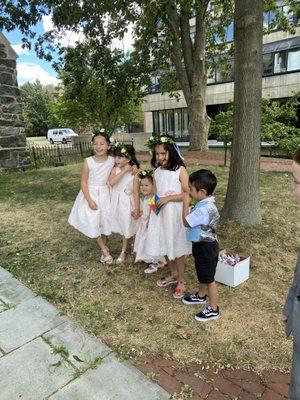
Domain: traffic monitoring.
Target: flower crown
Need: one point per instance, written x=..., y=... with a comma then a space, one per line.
x=157, y=139
x=146, y=173
x=122, y=147
x=104, y=132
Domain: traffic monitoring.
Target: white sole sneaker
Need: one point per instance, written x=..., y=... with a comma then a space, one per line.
x=206, y=319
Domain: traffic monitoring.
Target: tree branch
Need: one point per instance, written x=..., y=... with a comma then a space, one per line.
x=187, y=45
x=173, y=23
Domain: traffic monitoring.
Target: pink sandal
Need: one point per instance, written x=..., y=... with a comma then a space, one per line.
x=179, y=290
x=169, y=280
x=151, y=268
x=106, y=259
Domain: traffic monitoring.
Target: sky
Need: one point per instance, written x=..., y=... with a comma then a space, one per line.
x=30, y=67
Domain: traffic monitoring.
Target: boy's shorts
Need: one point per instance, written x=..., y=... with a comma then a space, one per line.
x=206, y=259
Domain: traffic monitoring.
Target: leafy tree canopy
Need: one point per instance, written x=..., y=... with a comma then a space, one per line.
x=278, y=123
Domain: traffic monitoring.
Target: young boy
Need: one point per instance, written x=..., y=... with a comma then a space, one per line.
x=202, y=222
x=291, y=311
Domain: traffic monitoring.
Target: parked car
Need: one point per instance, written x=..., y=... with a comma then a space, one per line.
x=60, y=135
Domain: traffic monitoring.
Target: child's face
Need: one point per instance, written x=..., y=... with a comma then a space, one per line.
x=296, y=184
x=100, y=146
x=146, y=187
x=162, y=155
x=121, y=161
x=197, y=195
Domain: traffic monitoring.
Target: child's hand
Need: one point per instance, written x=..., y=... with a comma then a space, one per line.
x=162, y=200
x=134, y=170
x=93, y=205
x=127, y=168
x=135, y=214
x=283, y=319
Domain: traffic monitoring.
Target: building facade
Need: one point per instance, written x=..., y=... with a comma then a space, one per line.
x=281, y=79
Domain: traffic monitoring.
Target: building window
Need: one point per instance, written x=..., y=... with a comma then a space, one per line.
x=185, y=122
x=170, y=121
x=268, y=64
x=293, y=60
x=162, y=125
x=280, y=60
x=177, y=123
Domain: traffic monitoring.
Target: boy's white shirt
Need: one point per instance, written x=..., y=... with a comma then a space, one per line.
x=199, y=216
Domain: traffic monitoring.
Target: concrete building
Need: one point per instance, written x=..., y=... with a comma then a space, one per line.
x=281, y=78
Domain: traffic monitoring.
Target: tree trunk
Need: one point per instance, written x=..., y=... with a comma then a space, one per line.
x=199, y=123
x=242, y=201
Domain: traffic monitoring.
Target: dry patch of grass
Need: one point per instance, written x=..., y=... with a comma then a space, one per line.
x=123, y=306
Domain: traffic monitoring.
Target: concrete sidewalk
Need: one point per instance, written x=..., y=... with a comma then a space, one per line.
x=43, y=355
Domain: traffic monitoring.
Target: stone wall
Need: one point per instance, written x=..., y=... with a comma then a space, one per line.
x=13, y=154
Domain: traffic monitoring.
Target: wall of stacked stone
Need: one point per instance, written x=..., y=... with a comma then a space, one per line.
x=13, y=154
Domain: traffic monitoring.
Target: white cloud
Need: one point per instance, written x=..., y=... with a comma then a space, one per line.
x=30, y=72
x=19, y=50
x=67, y=37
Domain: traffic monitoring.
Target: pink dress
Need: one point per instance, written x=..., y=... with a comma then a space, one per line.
x=166, y=234
x=122, y=204
x=94, y=223
x=141, y=235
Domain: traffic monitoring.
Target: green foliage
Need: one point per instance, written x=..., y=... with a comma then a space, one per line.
x=36, y=103
x=278, y=124
x=97, y=91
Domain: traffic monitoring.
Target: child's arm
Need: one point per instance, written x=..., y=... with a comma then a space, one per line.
x=114, y=178
x=136, y=194
x=84, y=186
x=184, y=180
x=186, y=209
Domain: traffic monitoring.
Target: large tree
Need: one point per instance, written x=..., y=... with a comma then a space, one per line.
x=164, y=42
x=36, y=103
x=242, y=201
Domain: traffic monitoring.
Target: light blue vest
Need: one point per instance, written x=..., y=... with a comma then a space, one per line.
x=205, y=233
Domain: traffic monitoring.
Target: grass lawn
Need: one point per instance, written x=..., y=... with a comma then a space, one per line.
x=123, y=306
x=37, y=140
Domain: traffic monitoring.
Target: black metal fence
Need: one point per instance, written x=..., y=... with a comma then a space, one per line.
x=60, y=154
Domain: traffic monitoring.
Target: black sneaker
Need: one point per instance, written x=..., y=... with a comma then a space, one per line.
x=194, y=299
x=207, y=314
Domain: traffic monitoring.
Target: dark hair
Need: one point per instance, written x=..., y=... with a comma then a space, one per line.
x=104, y=136
x=174, y=161
x=203, y=179
x=131, y=154
x=150, y=178
x=296, y=156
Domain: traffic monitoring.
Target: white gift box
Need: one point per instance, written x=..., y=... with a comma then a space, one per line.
x=233, y=276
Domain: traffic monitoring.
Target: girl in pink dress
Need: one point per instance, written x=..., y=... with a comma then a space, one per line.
x=125, y=203
x=166, y=234
x=90, y=213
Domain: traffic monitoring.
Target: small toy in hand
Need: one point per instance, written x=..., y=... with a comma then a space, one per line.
x=230, y=259
x=153, y=204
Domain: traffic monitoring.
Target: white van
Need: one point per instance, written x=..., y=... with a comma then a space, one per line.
x=60, y=135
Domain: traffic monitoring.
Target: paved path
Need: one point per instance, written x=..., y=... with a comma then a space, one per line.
x=197, y=382
x=43, y=355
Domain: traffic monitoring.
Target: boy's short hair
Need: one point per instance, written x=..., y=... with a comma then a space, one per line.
x=296, y=156
x=203, y=179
